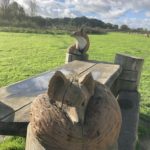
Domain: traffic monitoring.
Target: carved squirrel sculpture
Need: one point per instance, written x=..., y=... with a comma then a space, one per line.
x=82, y=43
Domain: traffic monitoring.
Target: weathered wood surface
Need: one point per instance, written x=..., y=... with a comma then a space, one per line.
x=15, y=99
x=105, y=73
x=131, y=72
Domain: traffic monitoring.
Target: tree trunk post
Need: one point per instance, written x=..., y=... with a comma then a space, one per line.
x=128, y=98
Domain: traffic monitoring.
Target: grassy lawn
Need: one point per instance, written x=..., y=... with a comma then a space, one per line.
x=24, y=55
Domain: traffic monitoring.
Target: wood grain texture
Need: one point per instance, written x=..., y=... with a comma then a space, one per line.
x=54, y=130
x=105, y=73
x=129, y=62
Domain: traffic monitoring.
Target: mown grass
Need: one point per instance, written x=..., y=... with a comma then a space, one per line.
x=13, y=143
x=24, y=55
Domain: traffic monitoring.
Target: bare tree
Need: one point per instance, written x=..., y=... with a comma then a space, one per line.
x=4, y=6
x=32, y=7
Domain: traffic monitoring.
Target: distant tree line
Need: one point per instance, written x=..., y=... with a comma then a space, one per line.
x=14, y=15
x=10, y=11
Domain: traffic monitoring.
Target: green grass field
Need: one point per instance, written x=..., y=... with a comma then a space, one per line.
x=25, y=55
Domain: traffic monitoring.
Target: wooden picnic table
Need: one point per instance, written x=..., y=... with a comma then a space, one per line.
x=15, y=99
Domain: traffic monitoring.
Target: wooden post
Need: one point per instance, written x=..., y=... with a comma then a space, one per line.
x=131, y=72
x=72, y=57
x=129, y=98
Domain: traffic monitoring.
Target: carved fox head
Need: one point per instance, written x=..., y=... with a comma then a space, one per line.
x=71, y=92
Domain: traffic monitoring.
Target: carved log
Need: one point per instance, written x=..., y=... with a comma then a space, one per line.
x=75, y=114
x=78, y=50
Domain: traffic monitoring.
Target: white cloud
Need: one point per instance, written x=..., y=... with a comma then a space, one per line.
x=106, y=10
x=147, y=14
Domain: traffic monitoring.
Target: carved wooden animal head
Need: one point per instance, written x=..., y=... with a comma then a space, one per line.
x=96, y=128
x=74, y=93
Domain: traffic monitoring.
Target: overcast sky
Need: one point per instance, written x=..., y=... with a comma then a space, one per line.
x=135, y=13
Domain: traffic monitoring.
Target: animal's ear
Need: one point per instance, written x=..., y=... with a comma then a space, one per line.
x=57, y=85
x=89, y=83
